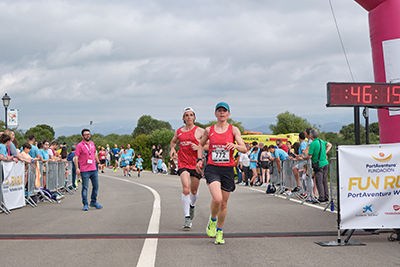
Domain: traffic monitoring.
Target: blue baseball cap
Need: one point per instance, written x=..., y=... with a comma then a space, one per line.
x=222, y=104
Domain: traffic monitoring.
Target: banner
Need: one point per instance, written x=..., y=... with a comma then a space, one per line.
x=13, y=184
x=12, y=117
x=369, y=179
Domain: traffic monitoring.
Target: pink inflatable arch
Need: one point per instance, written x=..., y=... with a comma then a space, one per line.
x=384, y=27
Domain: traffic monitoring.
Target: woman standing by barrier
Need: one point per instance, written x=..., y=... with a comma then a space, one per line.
x=219, y=169
x=265, y=166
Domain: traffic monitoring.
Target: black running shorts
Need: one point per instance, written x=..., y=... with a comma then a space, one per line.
x=191, y=172
x=224, y=175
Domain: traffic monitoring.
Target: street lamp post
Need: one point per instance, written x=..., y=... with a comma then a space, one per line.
x=6, y=101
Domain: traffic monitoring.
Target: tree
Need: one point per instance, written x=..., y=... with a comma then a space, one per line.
x=41, y=132
x=146, y=125
x=374, y=128
x=141, y=145
x=289, y=123
x=348, y=137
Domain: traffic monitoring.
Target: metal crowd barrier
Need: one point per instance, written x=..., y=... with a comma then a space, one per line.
x=58, y=177
x=286, y=180
x=333, y=184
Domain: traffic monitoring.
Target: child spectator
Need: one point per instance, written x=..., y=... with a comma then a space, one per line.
x=159, y=164
x=164, y=168
x=172, y=167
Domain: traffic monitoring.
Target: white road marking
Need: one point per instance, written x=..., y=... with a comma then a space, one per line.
x=149, y=250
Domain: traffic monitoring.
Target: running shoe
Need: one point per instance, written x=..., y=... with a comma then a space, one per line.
x=138, y=175
x=129, y=174
x=296, y=189
x=242, y=183
x=115, y=170
x=211, y=227
x=191, y=212
x=264, y=185
x=96, y=205
x=85, y=207
x=219, y=239
x=303, y=196
x=188, y=223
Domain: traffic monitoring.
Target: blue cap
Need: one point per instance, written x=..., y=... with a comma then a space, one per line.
x=224, y=105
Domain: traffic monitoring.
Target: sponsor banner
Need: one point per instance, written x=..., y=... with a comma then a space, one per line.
x=13, y=184
x=12, y=117
x=369, y=186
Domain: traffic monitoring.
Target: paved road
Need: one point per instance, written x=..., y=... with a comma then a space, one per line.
x=134, y=229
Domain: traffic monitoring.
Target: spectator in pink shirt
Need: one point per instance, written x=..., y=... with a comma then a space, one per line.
x=85, y=162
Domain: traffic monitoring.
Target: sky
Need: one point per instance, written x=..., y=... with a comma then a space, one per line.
x=65, y=63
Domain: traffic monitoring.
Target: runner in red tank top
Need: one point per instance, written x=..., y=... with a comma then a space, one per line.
x=188, y=137
x=219, y=170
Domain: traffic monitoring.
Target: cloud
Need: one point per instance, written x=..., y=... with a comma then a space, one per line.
x=101, y=60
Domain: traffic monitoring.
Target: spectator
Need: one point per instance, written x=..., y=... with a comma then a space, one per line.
x=281, y=145
x=278, y=155
x=44, y=158
x=164, y=168
x=290, y=151
x=253, y=165
x=317, y=153
x=159, y=164
x=303, y=149
x=244, y=163
x=259, y=168
x=5, y=141
x=153, y=159
x=265, y=166
x=173, y=169
x=12, y=148
x=159, y=152
x=85, y=162
x=238, y=171
x=52, y=149
x=34, y=152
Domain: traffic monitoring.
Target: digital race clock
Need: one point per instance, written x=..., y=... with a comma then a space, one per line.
x=363, y=94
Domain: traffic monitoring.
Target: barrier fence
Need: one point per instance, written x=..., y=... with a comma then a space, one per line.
x=285, y=181
x=58, y=177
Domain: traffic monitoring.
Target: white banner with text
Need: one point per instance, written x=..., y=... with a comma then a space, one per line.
x=13, y=184
x=369, y=179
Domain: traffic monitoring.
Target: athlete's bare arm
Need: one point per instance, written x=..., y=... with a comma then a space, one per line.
x=240, y=146
x=198, y=134
x=172, y=145
x=202, y=143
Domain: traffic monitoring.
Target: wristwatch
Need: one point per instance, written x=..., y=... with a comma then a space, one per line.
x=198, y=159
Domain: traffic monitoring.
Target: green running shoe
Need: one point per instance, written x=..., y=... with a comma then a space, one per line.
x=211, y=227
x=219, y=239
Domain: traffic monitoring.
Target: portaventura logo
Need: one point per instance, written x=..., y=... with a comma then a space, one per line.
x=382, y=158
x=381, y=168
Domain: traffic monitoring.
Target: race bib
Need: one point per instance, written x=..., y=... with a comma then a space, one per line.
x=220, y=155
